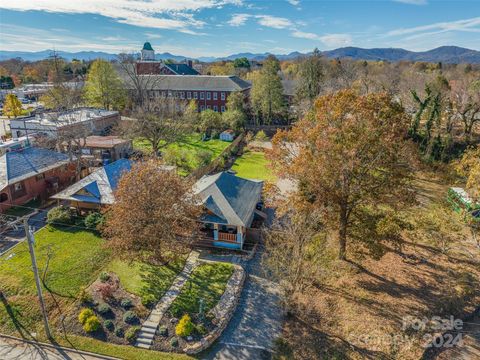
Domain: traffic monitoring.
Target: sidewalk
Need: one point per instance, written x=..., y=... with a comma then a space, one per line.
x=17, y=349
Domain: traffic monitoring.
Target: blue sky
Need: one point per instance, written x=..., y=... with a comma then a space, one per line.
x=222, y=27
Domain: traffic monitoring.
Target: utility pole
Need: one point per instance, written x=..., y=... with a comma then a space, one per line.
x=31, y=241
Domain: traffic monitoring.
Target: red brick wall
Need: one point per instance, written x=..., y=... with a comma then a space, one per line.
x=38, y=188
x=207, y=104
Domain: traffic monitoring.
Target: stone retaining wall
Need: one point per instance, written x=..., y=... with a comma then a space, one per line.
x=222, y=312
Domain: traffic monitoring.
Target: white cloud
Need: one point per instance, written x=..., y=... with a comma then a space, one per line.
x=151, y=35
x=336, y=40
x=467, y=25
x=305, y=35
x=238, y=19
x=330, y=40
x=160, y=14
x=412, y=2
x=294, y=2
x=274, y=21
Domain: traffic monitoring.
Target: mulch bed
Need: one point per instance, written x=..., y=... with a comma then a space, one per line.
x=111, y=293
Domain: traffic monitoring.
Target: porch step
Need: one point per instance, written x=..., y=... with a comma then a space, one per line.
x=144, y=341
x=142, y=346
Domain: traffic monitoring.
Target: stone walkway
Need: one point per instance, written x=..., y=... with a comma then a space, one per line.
x=149, y=327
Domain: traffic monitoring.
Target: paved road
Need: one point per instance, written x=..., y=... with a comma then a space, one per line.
x=257, y=321
x=11, y=349
x=14, y=236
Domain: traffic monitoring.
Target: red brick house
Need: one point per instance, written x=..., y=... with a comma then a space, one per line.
x=32, y=173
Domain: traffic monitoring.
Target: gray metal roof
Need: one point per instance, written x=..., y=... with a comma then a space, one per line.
x=195, y=82
x=231, y=199
x=19, y=165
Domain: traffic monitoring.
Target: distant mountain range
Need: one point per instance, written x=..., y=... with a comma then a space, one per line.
x=445, y=54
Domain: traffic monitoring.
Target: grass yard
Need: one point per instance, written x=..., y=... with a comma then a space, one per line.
x=144, y=279
x=253, y=165
x=207, y=282
x=119, y=351
x=24, y=209
x=191, y=147
x=76, y=257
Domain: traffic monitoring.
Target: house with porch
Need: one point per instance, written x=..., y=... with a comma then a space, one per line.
x=230, y=205
x=95, y=190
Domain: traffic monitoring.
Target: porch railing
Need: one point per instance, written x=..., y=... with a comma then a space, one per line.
x=222, y=236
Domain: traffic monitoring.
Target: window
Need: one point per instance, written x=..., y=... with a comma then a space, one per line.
x=40, y=177
x=189, y=95
x=164, y=94
x=195, y=95
x=215, y=96
x=182, y=95
x=3, y=197
x=18, y=186
x=209, y=95
x=222, y=96
x=222, y=108
x=208, y=107
x=215, y=108
x=169, y=93
x=202, y=107
x=202, y=95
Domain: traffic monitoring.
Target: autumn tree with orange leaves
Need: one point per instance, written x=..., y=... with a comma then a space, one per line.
x=349, y=159
x=154, y=215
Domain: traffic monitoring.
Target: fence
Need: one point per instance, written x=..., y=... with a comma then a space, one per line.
x=219, y=161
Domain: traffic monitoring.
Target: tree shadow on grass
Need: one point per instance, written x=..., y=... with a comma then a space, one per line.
x=14, y=315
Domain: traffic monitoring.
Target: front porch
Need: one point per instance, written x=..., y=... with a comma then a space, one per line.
x=226, y=236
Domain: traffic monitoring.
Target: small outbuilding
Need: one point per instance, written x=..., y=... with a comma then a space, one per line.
x=227, y=135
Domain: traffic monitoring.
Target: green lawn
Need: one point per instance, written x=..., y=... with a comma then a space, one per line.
x=207, y=282
x=253, y=165
x=119, y=351
x=192, y=145
x=24, y=209
x=144, y=279
x=76, y=257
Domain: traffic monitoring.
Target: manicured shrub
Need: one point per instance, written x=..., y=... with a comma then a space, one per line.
x=148, y=300
x=119, y=332
x=109, y=325
x=84, y=296
x=261, y=136
x=104, y=276
x=104, y=309
x=174, y=342
x=60, y=215
x=163, y=331
x=84, y=315
x=185, y=326
x=106, y=290
x=201, y=329
x=203, y=157
x=92, y=324
x=131, y=333
x=130, y=317
x=94, y=220
x=126, y=303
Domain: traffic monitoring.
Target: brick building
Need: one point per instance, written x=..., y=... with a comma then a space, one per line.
x=149, y=66
x=32, y=173
x=210, y=92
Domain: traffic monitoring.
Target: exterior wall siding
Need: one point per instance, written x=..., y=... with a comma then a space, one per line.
x=34, y=187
